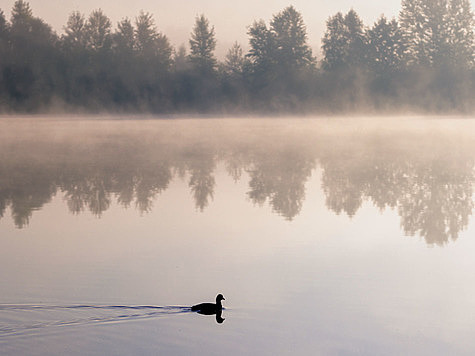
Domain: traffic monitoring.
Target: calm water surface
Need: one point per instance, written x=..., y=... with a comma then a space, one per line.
x=326, y=236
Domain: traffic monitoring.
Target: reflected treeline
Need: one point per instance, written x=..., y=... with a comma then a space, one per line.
x=279, y=178
x=433, y=195
x=429, y=184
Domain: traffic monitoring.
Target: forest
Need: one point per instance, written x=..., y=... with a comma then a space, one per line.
x=423, y=61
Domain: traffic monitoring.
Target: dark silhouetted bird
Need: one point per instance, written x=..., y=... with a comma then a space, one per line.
x=209, y=308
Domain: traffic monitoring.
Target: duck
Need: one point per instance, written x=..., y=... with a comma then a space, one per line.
x=209, y=308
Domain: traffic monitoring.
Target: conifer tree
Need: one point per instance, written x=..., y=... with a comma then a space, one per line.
x=234, y=61
x=98, y=30
x=124, y=36
x=385, y=48
x=149, y=43
x=461, y=42
x=436, y=28
x=180, y=59
x=290, y=36
x=21, y=17
x=262, y=45
x=412, y=21
x=75, y=31
x=145, y=32
x=202, y=45
x=355, y=39
x=4, y=33
x=437, y=32
x=334, y=43
x=344, y=42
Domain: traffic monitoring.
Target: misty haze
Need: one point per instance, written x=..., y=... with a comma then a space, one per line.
x=286, y=196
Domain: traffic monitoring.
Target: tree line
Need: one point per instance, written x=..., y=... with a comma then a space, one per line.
x=425, y=60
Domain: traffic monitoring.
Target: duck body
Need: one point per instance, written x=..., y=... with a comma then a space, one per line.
x=209, y=308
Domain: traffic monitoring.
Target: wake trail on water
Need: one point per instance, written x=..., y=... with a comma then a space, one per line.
x=22, y=318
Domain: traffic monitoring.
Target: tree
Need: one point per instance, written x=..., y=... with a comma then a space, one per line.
x=429, y=27
x=262, y=61
x=28, y=77
x=3, y=25
x=98, y=30
x=145, y=32
x=25, y=28
x=385, y=46
x=202, y=45
x=262, y=45
x=461, y=42
x=412, y=20
x=344, y=42
x=283, y=44
x=4, y=34
x=234, y=72
x=124, y=89
x=437, y=30
x=290, y=35
x=234, y=61
x=180, y=59
x=355, y=39
x=21, y=17
x=163, y=51
x=75, y=31
x=4, y=54
x=151, y=45
x=334, y=43
x=279, y=59
x=124, y=36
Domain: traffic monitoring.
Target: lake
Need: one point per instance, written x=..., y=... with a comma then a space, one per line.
x=328, y=236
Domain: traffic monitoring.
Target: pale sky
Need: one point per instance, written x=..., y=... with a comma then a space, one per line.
x=176, y=18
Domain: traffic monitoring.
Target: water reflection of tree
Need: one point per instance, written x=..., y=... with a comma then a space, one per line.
x=150, y=183
x=341, y=191
x=92, y=193
x=25, y=191
x=95, y=189
x=280, y=178
x=431, y=191
x=437, y=200
x=3, y=204
x=200, y=165
x=433, y=195
x=350, y=177
x=235, y=162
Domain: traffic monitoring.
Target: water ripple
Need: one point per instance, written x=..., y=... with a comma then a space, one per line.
x=11, y=323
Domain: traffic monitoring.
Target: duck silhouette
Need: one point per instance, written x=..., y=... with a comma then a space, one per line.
x=211, y=308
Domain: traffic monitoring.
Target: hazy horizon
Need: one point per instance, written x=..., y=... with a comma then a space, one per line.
x=175, y=19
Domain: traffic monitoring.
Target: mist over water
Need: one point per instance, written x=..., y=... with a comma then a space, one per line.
x=421, y=168
x=325, y=235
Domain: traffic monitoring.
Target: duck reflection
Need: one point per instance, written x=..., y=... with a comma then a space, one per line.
x=430, y=186
x=218, y=314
